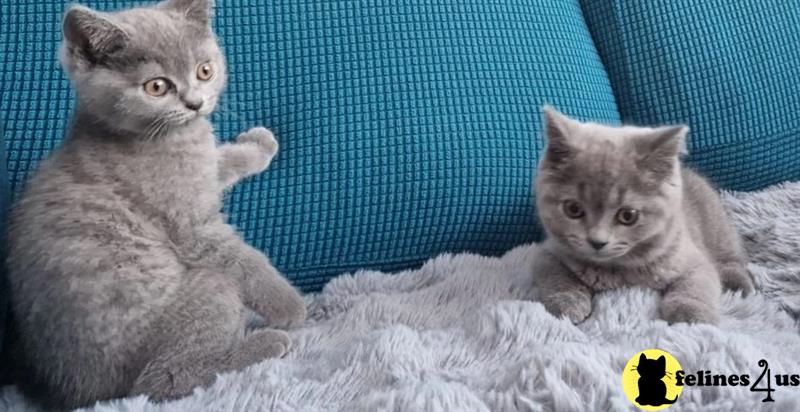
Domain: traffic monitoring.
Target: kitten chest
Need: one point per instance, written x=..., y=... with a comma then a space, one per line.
x=182, y=181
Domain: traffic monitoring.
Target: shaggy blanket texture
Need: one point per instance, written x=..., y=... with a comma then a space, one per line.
x=460, y=335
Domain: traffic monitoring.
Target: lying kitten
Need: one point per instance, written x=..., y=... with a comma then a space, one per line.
x=125, y=278
x=619, y=209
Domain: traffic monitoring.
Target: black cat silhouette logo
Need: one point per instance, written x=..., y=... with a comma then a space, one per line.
x=649, y=380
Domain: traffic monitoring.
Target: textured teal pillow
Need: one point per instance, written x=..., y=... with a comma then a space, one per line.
x=4, y=203
x=727, y=68
x=407, y=128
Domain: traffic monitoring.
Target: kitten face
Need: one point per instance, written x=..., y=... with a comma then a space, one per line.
x=602, y=191
x=146, y=69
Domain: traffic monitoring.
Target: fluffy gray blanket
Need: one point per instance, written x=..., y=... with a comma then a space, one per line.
x=458, y=334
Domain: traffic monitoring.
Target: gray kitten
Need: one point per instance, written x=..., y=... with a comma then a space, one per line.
x=125, y=277
x=619, y=209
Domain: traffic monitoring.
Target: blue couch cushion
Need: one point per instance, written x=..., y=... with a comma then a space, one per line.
x=4, y=204
x=727, y=68
x=407, y=128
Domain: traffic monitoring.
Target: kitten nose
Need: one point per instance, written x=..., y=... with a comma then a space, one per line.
x=597, y=245
x=193, y=104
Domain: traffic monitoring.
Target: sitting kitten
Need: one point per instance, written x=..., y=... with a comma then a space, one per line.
x=619, y=209
x=125, y=278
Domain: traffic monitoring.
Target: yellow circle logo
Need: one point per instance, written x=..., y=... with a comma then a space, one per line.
x=649, y=380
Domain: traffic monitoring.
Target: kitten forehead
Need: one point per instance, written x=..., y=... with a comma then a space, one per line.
x=581, y=133
x=594, y=135
x=637, y=158
x=155, y=34
x=158, y=29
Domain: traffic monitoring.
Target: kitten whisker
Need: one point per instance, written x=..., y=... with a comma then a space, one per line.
x=163, y=124
x=148, y=131
x=157, y=130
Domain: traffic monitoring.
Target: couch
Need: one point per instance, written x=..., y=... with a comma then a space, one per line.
x=412, y=128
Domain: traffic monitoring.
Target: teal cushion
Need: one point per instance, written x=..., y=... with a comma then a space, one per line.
x=407, y=128
x=727, y=68
x=4, y=204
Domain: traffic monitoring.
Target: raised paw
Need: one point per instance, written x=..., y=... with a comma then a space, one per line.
x=737, y=278
x=575, y=306
x=262, y=137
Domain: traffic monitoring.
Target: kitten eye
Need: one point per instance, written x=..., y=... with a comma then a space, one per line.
x=157, y=87
x=205, y=71
x=572, y=209
x=627, y=216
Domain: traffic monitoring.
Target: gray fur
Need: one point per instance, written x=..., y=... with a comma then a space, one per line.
x=458, y=335
x=125, y=277
x=682, y=245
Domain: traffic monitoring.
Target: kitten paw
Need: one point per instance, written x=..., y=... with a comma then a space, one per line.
x=290, y=312
x=574, y=306
x=262, y=137
x=280, y=306
x=737, y=278
x=676, y=312
x=266, y=343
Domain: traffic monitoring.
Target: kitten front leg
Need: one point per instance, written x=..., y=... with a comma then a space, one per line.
x=693, y=298
x=562, y=294
x=735, y=276
x=250, y=154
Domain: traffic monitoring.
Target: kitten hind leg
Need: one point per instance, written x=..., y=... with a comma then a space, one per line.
x=724, y=246
x=263, y=288
x=175, y=375
x=719, y=237
x=257, y=346
x=206, y=338
x=731, y=263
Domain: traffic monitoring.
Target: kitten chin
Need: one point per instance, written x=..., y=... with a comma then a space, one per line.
x=620, y=209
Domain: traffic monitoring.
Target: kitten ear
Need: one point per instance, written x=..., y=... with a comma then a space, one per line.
x=642, y=358
x=195, y=10
x=557, y=130
x=662, y=362
x=90, y=35
x=660, y=149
